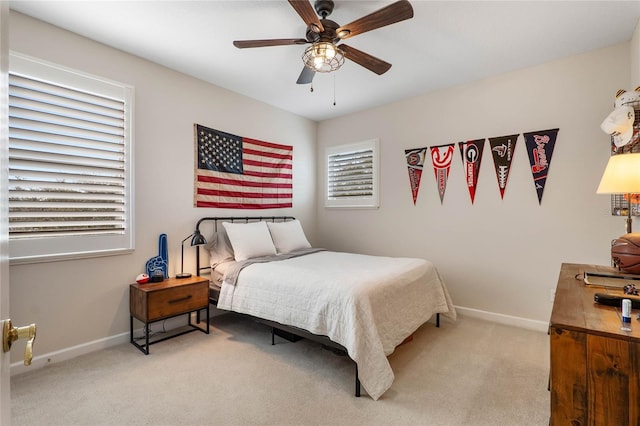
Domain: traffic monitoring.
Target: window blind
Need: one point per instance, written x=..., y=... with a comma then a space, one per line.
x=66, y=160
x=350, y=174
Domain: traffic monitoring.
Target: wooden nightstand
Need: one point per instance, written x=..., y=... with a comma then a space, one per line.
x=172, y=297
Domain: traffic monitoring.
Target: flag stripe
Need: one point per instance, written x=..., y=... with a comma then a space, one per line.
x=267, y=154
x=245, y=206
x=248, y=162
x=269, y=198
x=241, y=194
x=269, y=145
x=257, y=169
x=256, y=184
x=268, y=175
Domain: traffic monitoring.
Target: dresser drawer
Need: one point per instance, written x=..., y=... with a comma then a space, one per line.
x=176, y=300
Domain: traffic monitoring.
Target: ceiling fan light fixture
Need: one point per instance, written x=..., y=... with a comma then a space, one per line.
x=323, y=56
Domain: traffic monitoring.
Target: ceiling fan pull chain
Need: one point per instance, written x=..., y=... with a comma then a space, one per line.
x=334, y=90
x=311, y=87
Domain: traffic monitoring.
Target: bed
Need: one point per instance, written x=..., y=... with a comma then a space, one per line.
x=364, y=305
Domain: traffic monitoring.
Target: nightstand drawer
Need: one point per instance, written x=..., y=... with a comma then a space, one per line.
x=173, y=301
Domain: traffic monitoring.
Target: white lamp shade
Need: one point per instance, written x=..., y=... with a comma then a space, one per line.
x=622, y=175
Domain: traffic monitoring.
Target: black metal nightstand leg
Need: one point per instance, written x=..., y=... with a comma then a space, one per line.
x=146, y=339
x=143, y=349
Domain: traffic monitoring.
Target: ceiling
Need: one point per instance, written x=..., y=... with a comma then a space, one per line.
x=446, y=43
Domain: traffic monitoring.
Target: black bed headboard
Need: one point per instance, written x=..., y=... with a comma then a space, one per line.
x=245, y=219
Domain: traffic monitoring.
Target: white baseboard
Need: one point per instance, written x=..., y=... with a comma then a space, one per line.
x=85, y=348
x=96, y=345
x=68, y=353
x=527, y=323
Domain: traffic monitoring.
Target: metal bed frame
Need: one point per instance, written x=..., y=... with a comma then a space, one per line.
x=275, y=326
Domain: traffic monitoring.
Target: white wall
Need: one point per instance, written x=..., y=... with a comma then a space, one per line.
x=499, y=256
x=76, y=302
x=635, y=58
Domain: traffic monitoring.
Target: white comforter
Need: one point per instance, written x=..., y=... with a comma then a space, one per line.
x=368, y=304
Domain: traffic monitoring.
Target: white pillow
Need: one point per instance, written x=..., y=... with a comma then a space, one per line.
x=288, y=236
x=249, y=239
x=219, y=248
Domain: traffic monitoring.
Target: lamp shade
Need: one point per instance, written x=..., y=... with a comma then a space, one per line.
x=622, y=175
x=198, y=239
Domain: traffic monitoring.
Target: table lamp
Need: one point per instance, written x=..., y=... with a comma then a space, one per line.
x=197, y=240
x=622, y=176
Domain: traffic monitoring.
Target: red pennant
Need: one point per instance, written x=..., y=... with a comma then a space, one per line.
x=415, y=164
x=441, y=157
x=471, y=152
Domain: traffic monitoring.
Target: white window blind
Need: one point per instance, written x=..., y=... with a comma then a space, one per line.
x=69, y=149
x=352, y=175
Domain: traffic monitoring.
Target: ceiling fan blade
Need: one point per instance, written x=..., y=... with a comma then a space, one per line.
x=395, y=12
x=307, y=13
x=243, y=44
x=306, y=76
x=371, y=63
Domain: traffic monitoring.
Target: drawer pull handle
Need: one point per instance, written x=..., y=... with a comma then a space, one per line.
x=182, y=299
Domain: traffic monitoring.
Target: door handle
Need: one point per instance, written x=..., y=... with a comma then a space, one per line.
x=10, y=334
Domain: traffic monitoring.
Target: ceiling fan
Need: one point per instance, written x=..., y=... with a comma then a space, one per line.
x=324, y=55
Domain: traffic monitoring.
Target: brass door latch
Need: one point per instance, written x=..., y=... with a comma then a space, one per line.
x=10, y=334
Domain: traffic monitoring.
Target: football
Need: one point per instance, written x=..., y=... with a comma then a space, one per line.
x=625, y=253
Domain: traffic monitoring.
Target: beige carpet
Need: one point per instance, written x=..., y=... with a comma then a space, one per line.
x=467, y=372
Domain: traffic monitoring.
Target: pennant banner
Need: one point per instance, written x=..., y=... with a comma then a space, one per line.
x=441, y=157
x=241, y=173
x=471, y=152
x=502, y=149
x=540, y=148
x=415, y=164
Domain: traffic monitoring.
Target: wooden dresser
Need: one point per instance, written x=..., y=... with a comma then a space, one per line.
x=595, y=366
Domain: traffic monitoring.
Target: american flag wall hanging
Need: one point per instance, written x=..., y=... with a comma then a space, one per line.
x=233, y=172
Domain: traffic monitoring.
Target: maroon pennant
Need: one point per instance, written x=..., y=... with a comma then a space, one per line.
x=471, y=152
x=502, y=149
x=540, y=146
x=415, y=164
x=441, y=157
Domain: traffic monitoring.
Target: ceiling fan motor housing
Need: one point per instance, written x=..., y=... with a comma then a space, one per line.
x=323, y=7
x=329, y=33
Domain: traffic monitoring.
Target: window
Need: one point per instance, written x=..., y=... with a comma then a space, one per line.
x=70, y=152
x=352, y=175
